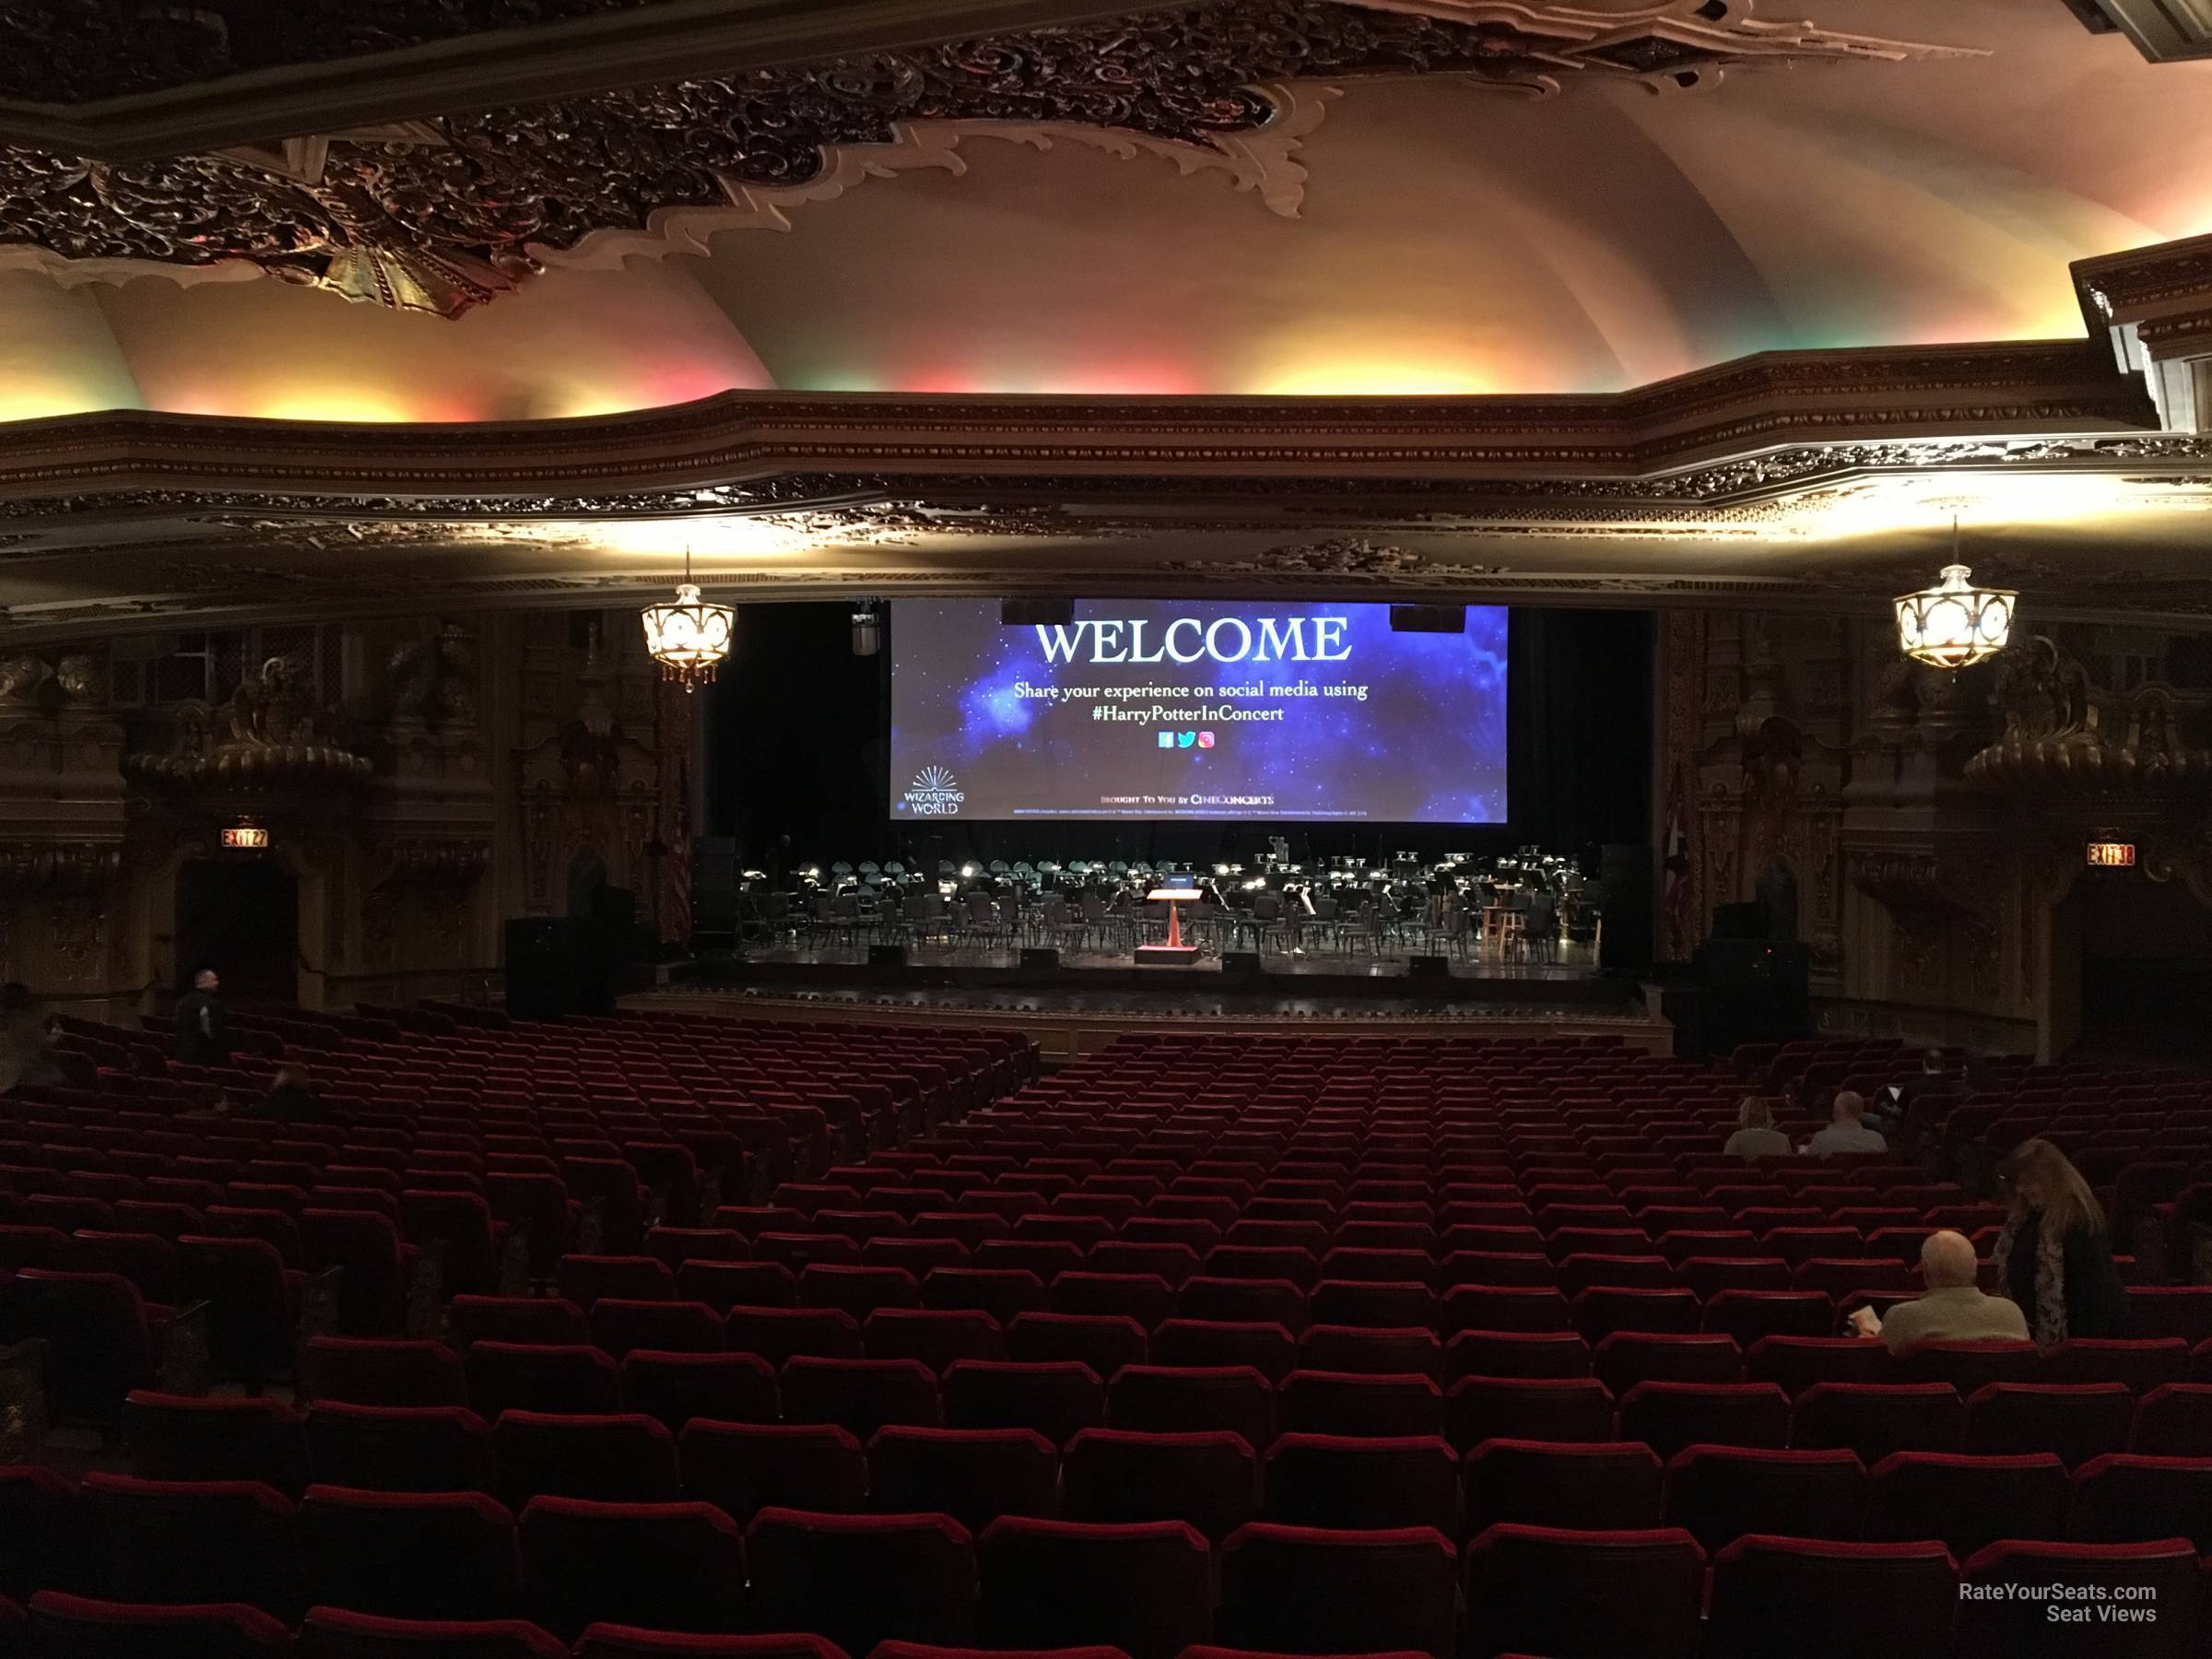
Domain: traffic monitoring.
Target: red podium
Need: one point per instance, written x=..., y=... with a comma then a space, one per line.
x=1174, y=953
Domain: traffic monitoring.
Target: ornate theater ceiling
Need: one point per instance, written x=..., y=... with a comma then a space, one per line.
x=1609, y=301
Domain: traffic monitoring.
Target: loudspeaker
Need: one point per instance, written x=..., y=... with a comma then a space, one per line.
x=1427, y=619
x=1747, y=921
x=1039, y=958
x=1428, y=967
x=545, y=958
x=713, y=869
x=1243, y=964
x=1623, y=896
x=886, y=956
x=1037, y=613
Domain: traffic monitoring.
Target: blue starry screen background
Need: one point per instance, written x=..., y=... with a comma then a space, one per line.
x=1427, y=745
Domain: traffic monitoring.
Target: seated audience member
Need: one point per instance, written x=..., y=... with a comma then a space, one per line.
x=2054, y=1256
x=1954, y=1310
x=291, y=1099
x=1848, y=1133
x=27, y=1040
x=1755, y=1135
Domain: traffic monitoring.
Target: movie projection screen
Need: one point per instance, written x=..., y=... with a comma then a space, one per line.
x=1163, y=709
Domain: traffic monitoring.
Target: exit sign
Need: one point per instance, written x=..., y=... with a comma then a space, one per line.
x=248, y=836
x=2112, y=855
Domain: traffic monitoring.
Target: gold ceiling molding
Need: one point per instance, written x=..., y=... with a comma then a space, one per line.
x=1738, y=431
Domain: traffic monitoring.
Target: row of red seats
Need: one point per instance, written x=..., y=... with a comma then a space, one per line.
x=1150, y=1590
x=1210, y=1480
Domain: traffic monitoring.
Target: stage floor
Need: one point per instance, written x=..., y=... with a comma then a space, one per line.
x=1571, y=963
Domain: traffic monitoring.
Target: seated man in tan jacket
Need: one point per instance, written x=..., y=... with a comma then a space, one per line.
x=1954, y=1310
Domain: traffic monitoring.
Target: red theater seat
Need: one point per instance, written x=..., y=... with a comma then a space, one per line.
x=1669, y=1415
x=2077, y=1421
x=375, y=1372
x=1296, y=1589
x=1057, y=1400
x=1269, y=1349
x=1368, y=1484
x=181, y=1436
x=409, y=1555
x=2137, y=1579
x=519, y=1376
x=610, y=1457
x=1540, y=1589
x=2123, y=1497
x=1550, y=1408
x=680, y=1565
x=1170, y=1400
x=1143, y=1587
x=332, y=1633
x=1876, y=1419
x=974, y=1475
x=1721, y=1493
x=2173, y=1421
x=1608, y=1485
x=742, y=1468
x=1207, y=1479
x=72, y=1627
x=1968, y=1502
x=195, y=1541
x=859, y=1580
x=1831, y=1600
x=629, y=1641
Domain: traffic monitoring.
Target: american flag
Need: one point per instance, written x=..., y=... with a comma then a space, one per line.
x=1676, y=861
x=678, y=869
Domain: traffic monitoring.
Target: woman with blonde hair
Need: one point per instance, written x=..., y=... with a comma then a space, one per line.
x=1755, y=1136
x=2055, y=1257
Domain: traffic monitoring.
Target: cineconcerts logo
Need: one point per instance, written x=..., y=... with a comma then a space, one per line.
x=935, y=794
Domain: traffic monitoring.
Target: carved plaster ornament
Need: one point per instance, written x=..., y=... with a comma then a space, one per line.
x=443, y=215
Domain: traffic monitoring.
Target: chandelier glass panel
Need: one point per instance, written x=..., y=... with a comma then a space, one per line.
x=1954, y=623
x=690, y=638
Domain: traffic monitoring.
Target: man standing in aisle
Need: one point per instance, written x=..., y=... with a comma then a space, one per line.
x=202, y=1032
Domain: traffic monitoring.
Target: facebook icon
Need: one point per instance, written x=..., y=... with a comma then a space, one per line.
x=1166, y=740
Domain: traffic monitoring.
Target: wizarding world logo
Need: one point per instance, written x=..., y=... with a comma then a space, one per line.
x=935, y=794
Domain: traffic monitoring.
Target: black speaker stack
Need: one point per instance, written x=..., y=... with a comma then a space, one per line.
x=562, y=965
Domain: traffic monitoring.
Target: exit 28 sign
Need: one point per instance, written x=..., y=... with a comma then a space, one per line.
x=2112, y=855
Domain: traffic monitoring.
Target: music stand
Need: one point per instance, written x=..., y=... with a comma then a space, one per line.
x=1174, y=953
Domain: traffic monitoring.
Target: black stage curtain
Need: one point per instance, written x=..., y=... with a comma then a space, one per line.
x=796, y=746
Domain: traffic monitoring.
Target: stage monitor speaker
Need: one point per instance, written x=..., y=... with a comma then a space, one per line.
x=545, y=967
x=1623, y=897
x=1037, y=613
x=1739, y=921
x=1427, y=619
x=1240, y=964
x=1428, y=967
x=1039, y=958
x=886, y=956
x=713, y=868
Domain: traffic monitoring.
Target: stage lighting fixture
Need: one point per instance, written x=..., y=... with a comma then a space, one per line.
x=868, y=629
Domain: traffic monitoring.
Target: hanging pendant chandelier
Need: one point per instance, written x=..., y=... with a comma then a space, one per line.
x=690, y=638
x=1955, y=623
